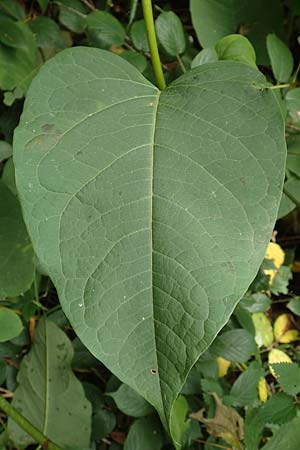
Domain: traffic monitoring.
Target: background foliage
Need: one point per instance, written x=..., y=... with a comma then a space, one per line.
x=243, y=392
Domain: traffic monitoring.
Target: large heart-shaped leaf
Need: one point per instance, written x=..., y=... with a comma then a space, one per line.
x=151, y=211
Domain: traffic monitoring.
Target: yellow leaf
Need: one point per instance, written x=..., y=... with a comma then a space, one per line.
x=283, y=331
x=274, y=252
x=223, y=366
x=263, y=390
x=277, y=356
x=289, y=336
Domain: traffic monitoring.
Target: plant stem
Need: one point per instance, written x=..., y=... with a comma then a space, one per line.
x=285, y=85
x=20, y=420
x=180, y=62
x=149, y=21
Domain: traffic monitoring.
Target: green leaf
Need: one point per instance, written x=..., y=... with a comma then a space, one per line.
x=170, y=33
x=234, y=345
x=144, y=434
x=281, y=281
x=136, y=59
x=281, y=58
x=138, y=34
x=263, y=329
x=13, y=9
x=48, y=393
x=17, y=259
x=253, y=428
x=130, y=402
x=179, y=422
x=43, y=5
x=293, y=101
x=288, y=375
x=133, y=9
x=104, y=30
x=286, y=437
x=279, y=409
x=133, y=188
x=236, y=48
x=12, y=33
x=244, y=389
x=213, y=20
x=103, y=423
x=293, y=158
x=294, y=305
x=255, y=303
x=205, y=56
x=72, y=14
x=5, y=150
x=47, y=33
x=10, y=325
x=8, y=176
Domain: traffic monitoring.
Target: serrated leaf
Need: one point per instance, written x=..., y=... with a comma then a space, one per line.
x=286, y=437
x=236, y=47
x=126, y=201
x=281, y=281
x=130, y=402
x=170, y=33
x=17, y=258
x=234, y=345
x=10, y=325
x=255, y=19
x=46, y=391
x=244, y=389
x=294, y=305
x=288, y=375
x=281, y=58
x=279, y=409
x=104, y=30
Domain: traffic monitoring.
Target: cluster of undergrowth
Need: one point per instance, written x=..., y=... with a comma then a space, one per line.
x=243, y=391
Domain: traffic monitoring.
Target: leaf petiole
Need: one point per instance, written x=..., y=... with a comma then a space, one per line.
x=149, y=21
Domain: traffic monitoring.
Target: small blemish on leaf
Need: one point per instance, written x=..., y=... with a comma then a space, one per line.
x=47, y=127
x=154, y=371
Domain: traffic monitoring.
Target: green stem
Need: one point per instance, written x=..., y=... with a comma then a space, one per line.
x=180, y=62
x=27, y=426
x=149, y=21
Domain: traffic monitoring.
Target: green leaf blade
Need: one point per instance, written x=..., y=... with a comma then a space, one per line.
x=281, y=58
x=140, y=188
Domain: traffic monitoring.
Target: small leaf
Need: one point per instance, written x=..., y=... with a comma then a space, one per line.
x=12, y=33
x=136, y=59
x=263, y=390
x=138, y=34
x=170, y=33
x=72, y=14
x=12, y=8
x=294, y=305
x=145, y=434
x=277, y=356
x=223, y=366
x=206, y=55
x=281, y=58
x=47, y=33
x=179, y=422
x=103, y=423
x=48, y=393
x=10, y=325
x=234, y=345
x=288, y=376
x=43, y=5
x=5, y=150
x=276, y=255
x=263, y=329
x=130, y=402
x=104, y=30
x=227, y=424
x=244, y=389
x=281, y=281
x=255, y=303
x=17, y=267
x=282, y=329
x=287, y=437
x=236, y=48
x=280, y=408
